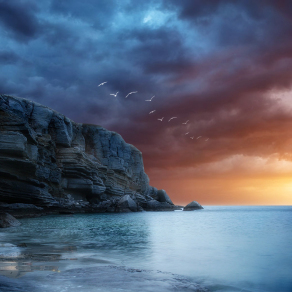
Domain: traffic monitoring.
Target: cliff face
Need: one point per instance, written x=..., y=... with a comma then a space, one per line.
x=51, y=162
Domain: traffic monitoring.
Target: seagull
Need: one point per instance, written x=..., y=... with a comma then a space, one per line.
x=160, y=119
x=186, y=122
x=199, y=137
x=172, y=118
x=207, y=139
x=115, y=95
x=102, y=83
x=187, y=133
x=152, y=112
x=150, y=98
x=192, y=137
x=131, y=93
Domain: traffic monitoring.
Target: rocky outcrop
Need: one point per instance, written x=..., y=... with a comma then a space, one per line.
x=53, y=163
x=6, y=220
x=19, y=210
x=163, y=197
x=192, y=206
x=127, y=204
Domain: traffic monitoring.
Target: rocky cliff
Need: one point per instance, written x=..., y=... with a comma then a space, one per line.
x=48, y=162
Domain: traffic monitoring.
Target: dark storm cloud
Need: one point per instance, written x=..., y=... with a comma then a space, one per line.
x=210, y=62
x=195, y=9
x=158, y=51
x=97, y=13
x=238, y=119
x=233, y=111
x=243, y=22
x=7, y=57
x=19, y=18
x=73, y=50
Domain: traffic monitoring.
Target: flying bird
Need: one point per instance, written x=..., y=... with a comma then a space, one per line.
x=207, y=139
x=187, y=133
x=115, y=95
x=102, y=83
x=172, y=118
x=199, y=137
x=131, y=93
x=150, y=98
x=192, y=137
x=160, y=119
x=152, y=112
x=186, y=122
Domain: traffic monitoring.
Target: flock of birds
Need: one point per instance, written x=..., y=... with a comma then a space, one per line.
x=161, y=119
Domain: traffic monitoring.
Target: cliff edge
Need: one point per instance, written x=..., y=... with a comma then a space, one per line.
x=48, y=162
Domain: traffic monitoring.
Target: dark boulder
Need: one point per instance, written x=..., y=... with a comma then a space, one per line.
x=6, y=220
x=19, y=206
x=193, y=206
x=20, y=210
x=154, y=205
x=126, y=204
x=162, y=196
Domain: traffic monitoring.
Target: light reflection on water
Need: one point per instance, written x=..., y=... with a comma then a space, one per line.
x=248, y=247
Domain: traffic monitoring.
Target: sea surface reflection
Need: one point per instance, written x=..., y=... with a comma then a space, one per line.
x=241, y=247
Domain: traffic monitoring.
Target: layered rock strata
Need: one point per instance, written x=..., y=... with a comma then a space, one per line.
x=55, y=164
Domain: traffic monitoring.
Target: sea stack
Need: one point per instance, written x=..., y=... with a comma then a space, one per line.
x=192, y=206
x=55, y=164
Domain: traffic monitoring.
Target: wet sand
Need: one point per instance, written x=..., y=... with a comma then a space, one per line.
x=102, y=278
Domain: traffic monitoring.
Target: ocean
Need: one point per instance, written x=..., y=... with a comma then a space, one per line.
x=222, y=248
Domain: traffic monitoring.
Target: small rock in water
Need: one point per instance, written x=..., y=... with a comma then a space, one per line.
x=22, y=245
x=6, y=220
x=192, y=206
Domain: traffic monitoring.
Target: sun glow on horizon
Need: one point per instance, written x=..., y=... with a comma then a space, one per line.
x=249, y=181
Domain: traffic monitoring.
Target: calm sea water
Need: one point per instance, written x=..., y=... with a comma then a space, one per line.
x=245, y=247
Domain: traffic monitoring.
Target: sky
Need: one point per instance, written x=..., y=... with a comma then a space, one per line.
x=224, y=66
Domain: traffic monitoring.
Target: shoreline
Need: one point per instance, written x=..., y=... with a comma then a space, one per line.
x=20, y=213
x=106, y=278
